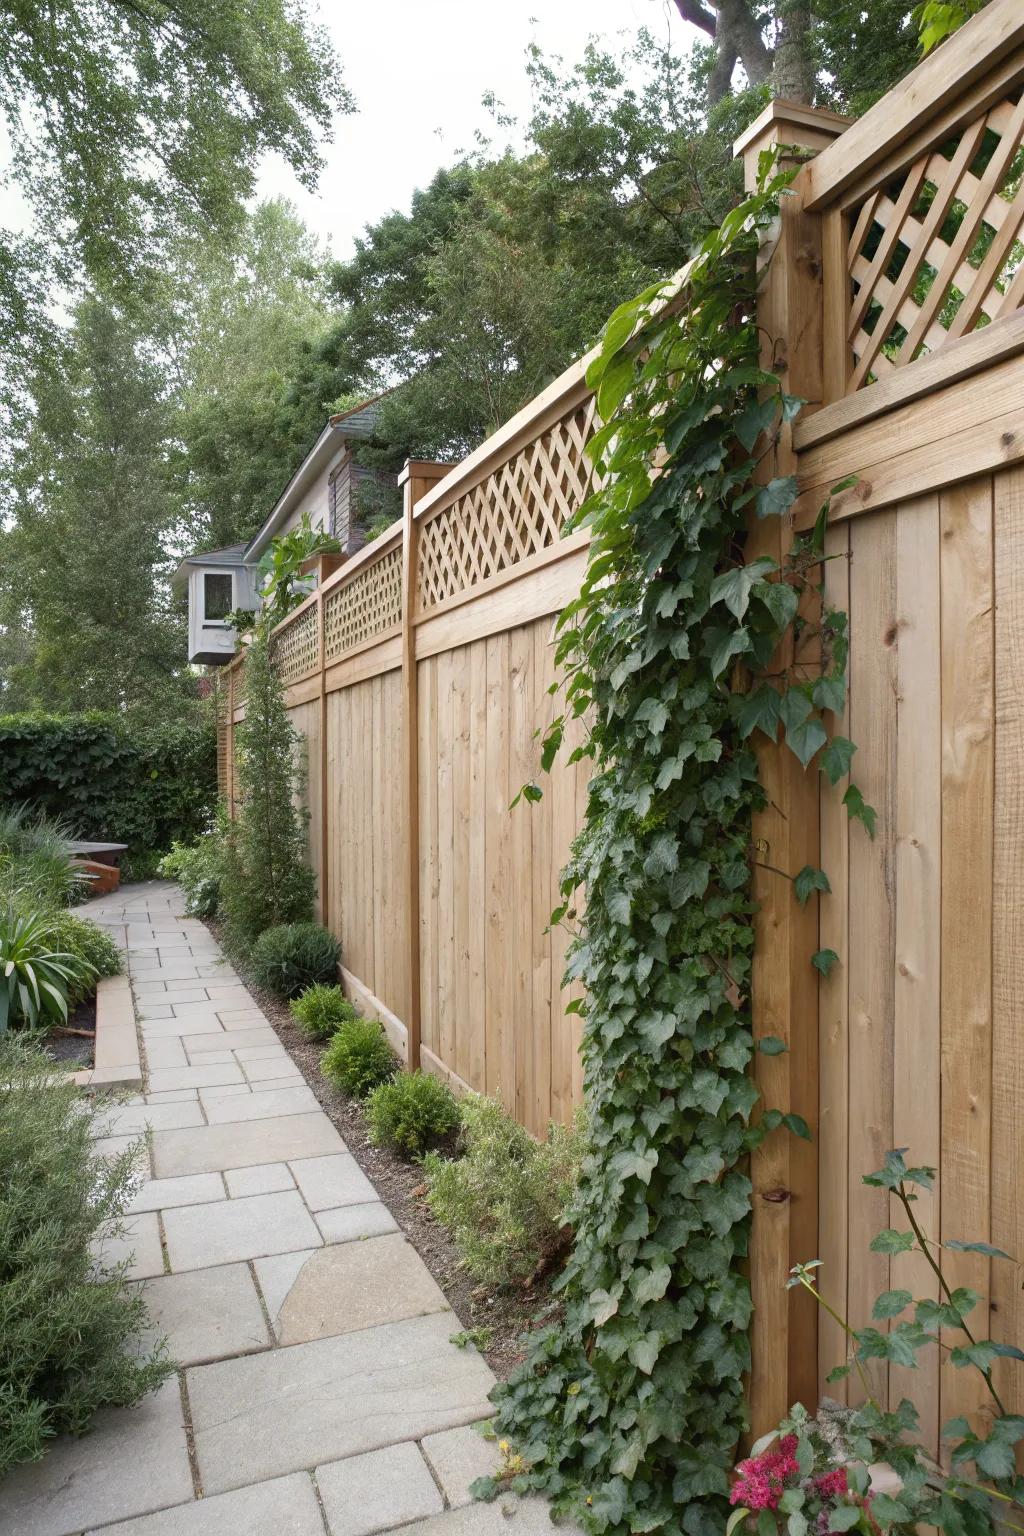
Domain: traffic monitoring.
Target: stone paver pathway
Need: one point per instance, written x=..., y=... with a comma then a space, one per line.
x=319, y=1392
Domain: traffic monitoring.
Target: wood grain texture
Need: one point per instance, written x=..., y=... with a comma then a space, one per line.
x=967, y=774
x=872, y=937
x=918, y=829
x=1008, y=931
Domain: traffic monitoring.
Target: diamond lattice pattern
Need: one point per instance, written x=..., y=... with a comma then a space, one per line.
x=518, y=510
x=295, y=648
x=937, y=253
x=365, y=607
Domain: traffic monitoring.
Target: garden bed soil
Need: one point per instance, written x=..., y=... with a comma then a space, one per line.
x=75, y=1050
x=508, y=1315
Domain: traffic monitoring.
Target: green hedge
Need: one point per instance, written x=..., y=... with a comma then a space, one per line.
x=144, y=785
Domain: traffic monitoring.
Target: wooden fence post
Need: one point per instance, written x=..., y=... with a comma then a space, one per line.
x=416, y=478
x=325, y=799
x=784, y=986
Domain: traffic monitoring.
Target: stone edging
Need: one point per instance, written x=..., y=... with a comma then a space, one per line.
x=117, y=1062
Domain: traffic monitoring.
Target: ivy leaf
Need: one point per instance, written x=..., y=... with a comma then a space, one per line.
x=650, y=1285
x=615, y=385
x=644, y=1352
x=760, y=712
x=844, y=1517
x=757, y=418
x=781, y=600
x=838, y=1373
x=776, y=497
x=824, y=960
x=723, y=645
x=771, y=1045
x=830, y=693
x=859, y=810
x=836, y=758
x=808, y=881
x=805, y=740
x=733, y=587
x=980, y=1354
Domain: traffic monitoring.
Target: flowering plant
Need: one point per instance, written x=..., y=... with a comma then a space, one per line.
x=800, y=1478
x=812, y=1475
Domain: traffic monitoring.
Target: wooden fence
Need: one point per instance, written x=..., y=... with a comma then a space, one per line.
x=418, y=677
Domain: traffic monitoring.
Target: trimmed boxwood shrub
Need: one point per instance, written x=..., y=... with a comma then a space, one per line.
x=68, y=1346
x=359, y=1057
x=411, y=1113
x=291, y=957
x=321, y=1009
x=112, y=781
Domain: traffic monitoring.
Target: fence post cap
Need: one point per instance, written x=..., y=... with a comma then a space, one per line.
x=790, y=122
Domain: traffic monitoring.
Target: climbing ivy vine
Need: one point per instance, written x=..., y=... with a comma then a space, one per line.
x=627, y=1412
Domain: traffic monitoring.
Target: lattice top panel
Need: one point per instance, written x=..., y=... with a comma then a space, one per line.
x=518, y=510
x=296, y=650
x=937, y=253
x=368, y=605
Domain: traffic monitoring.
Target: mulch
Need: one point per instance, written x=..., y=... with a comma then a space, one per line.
x=75, y=1050
x=507, y=1314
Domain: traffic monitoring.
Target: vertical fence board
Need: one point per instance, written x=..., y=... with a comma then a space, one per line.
x=967, y=768
x=1008, y=933
x=522, y=763
x=427, y=692
x=476, y=871
x=872, y=903
x=500, y=1039
x=833, y=1019
x=916, y=1039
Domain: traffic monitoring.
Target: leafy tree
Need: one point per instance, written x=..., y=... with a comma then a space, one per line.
x=86, y=617
x=131, y=123
x=246, y=338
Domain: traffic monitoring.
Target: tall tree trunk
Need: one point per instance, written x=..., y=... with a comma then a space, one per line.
x=737, y=38
x=793, y=70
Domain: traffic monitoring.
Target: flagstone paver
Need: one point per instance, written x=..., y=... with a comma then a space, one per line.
x=314, y=1347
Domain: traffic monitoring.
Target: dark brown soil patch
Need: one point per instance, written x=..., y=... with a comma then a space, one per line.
x=74, y=1044
x=508, y=1315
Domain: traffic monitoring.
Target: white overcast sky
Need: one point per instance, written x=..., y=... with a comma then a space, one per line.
x=418, y=70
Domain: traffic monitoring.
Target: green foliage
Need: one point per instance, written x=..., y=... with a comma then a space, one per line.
x=265, y=880
x=35, y=861
x=504, y=1197
x=88, y=943
x=358, y=1058
x=36, y=977
x=289, y=958
x=321, y=1009
x=280, y=589
x=677, y=650
x=129, y=127
x=68, y=1343
x=976, y=1498
x=411, y=1113
x=86, y=617
x=146, y=785
x=939, y=19
x=197, y=869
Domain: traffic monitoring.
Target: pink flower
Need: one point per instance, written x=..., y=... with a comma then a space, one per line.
x=761, y=1480
x=831, y=1485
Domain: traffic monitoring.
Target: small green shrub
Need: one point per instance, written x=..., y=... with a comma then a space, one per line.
x=359, y=1058
x=68, y=1343
x=503, y=1200
x=36, y=977
x=288, y=959
x=86, y=941
x=411, y=1113
x=321, y=1009
x=197, y=869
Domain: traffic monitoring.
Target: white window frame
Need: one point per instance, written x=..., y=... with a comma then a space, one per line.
x=218, y=623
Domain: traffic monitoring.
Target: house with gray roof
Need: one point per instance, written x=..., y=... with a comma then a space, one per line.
x=326, y=487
